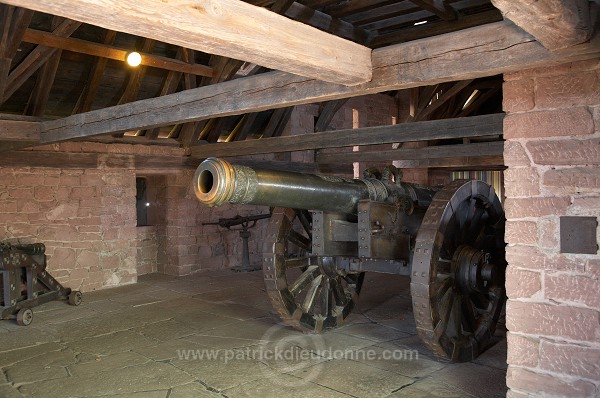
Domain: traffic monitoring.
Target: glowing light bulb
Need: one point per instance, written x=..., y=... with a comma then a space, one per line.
x=134, y=58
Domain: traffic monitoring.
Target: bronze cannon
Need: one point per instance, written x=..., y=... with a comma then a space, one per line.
x=326, y=231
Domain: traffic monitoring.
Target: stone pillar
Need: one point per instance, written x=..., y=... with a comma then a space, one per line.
x=552, y=150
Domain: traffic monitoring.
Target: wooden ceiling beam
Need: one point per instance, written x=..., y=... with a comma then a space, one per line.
x=349, y=8
x=320, y=20
x=434, y=28
x=19, y=130
x=467, y=54
x=230, y=28
x=111, y=52
x=381, y=13
x=441, y=8
x=403, y=132
x=466, y=163
x=425, y=153
x=555, y=24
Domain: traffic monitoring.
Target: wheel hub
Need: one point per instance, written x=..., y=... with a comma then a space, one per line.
x=328, y=267
x=472, y=270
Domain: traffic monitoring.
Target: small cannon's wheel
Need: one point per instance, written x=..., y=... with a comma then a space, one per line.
x=308, y=293
x=24, y=317
x=75, y=297
x=457, y=281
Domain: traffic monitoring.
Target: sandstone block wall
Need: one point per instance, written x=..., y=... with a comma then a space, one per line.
x=552, y=150
x=83, y=216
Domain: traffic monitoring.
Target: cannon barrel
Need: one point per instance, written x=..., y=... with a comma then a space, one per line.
x=217, y=181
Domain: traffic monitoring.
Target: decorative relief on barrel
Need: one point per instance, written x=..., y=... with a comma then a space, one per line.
x=246, y=185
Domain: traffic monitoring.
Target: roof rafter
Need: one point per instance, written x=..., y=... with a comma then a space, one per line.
x=36, y=59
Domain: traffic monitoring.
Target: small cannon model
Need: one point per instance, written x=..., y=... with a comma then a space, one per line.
x=246, y=223
x=26, y=283
x=325, y=232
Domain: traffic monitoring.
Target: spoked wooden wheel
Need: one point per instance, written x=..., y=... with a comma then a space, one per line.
x=308, y=292
x=457, y=282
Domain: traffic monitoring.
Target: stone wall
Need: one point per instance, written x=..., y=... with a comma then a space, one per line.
x=85, y=217
x=552, y=151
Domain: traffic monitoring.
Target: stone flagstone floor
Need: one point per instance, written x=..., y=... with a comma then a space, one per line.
x=144, y=340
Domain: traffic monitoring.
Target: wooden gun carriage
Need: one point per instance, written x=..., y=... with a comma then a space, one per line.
x=326, y=232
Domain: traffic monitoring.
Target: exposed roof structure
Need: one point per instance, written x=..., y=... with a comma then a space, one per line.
x=68, y=79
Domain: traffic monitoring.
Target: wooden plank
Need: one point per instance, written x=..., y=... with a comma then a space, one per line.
x=438, y=7
x=320, y=20
x=230, y=28
x=19, y=130
x=403, y=132
x=556, y=24
x=4, y=70
x=63, y=160
x=471, y=53
x=111, y=52
x=467, y=163
x=434, y=28
x=429, y=152
x=38, y=158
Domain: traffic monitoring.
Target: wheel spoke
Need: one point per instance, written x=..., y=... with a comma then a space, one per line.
x=443, y=287
x=305, y=219
x=299, y=240
x=475, y=227
x=311, y=294
x=298, y=262
x=444, y=310
x=469, y=316
x=338, y=292
x=457, y=314
x=469, y=215
x=326, y=299
x=304, y=279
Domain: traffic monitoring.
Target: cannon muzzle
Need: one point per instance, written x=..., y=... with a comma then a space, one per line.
x=217, y=182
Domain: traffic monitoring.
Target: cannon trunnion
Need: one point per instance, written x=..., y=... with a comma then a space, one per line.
x=325, y=232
